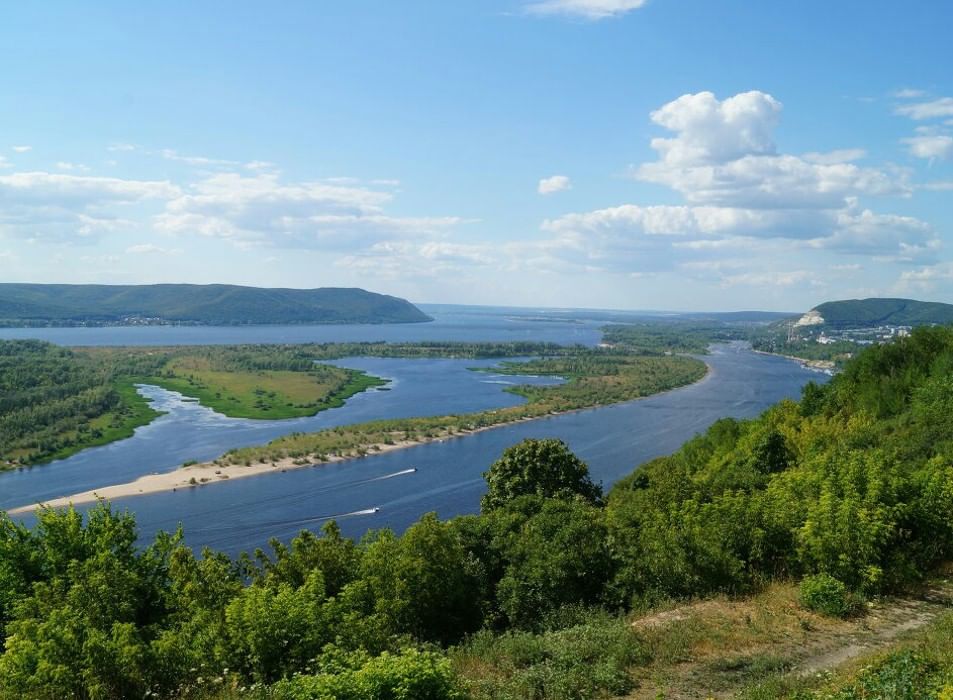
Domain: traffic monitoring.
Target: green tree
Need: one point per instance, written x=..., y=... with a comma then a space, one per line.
x=544, y=468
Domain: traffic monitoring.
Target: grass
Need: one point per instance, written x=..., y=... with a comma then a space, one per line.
x=263, y=394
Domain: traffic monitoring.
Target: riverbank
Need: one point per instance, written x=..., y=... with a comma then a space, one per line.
x=819, y=365
x=333, y=445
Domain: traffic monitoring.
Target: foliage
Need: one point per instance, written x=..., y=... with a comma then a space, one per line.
x=543, y=468
x=855, y=484
x=665, y=337
x=407, y=675
x=587, y=660
x=879, y=311
x=824, y=594
x=55, y=401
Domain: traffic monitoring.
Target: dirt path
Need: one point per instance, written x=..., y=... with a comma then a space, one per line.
x=713, y=649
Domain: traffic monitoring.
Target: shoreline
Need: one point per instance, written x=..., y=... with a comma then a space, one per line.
x=820, y=365
x=206, y=473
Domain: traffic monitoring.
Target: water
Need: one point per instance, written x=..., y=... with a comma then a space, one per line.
x=396, y=488
x=451, y=323
x=189, y=431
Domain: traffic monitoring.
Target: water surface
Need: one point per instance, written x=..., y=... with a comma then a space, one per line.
x=381, y=491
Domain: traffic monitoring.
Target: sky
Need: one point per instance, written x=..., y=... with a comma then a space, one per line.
x=615, y=154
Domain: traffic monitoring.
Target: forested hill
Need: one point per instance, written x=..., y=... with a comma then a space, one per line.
x=211, y=304
x=875, y=312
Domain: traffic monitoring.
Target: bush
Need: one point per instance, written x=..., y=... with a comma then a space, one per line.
x=825, y=594
x=409, y=675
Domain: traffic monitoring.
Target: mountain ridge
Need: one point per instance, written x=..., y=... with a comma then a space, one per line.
x=27, y=304
x=877, y=311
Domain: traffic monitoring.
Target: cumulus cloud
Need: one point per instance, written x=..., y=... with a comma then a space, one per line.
x=723, y=153
x=930, y=146
x=741, y=193
x=930, y=109
x=261, y=209
x=21, y=149
x=586, y=9
x=551, y=185
x=59, y=205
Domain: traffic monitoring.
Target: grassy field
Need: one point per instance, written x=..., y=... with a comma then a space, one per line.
x=253, y=393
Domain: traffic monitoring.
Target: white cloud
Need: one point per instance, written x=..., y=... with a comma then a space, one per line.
x=587, y=9
x=21, y=149
x=886, y=237
x=122, y=147
x=770, y=279
x=413, y=259
x=924, y=278
x=907, y=93
x=200, y=161
x=260, y=165
x=930, y=146
x=938, y=186
x=843, y=155
x=261, y=209
x=551, y=185
x=4, y=163
x=150, y=248
x=723, y=154
x=932, y=109
x=58, y=205
x=741, y=194
x=71, y=167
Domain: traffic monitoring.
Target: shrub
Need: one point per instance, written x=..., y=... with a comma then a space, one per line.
x=825, y=594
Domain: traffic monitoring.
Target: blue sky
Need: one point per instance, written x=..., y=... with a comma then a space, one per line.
x=635, y=154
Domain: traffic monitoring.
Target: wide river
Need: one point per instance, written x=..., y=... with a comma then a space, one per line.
x=396, y=488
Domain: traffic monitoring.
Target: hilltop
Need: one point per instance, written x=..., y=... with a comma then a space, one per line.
x=209, y=304
x=861, y=313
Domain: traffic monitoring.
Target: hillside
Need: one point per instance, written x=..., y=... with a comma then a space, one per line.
x=858, y=313
x=211, y=304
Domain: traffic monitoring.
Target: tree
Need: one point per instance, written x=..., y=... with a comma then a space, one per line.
x=544, y=468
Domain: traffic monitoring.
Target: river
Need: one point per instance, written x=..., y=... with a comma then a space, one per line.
x=394, y=489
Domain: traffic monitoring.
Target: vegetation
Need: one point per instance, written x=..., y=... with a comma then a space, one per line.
x=259, y=381
x=595, y=378
x=211, y=304
x=54, y=402
x=529, y=598
x=825, y=594
x=666, y=337
x=856, y=313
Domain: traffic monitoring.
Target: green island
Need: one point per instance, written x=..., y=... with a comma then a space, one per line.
x=804, y=554
x=58, y=401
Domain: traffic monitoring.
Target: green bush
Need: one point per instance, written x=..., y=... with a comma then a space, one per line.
x=409, y=675
x=825, y=594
